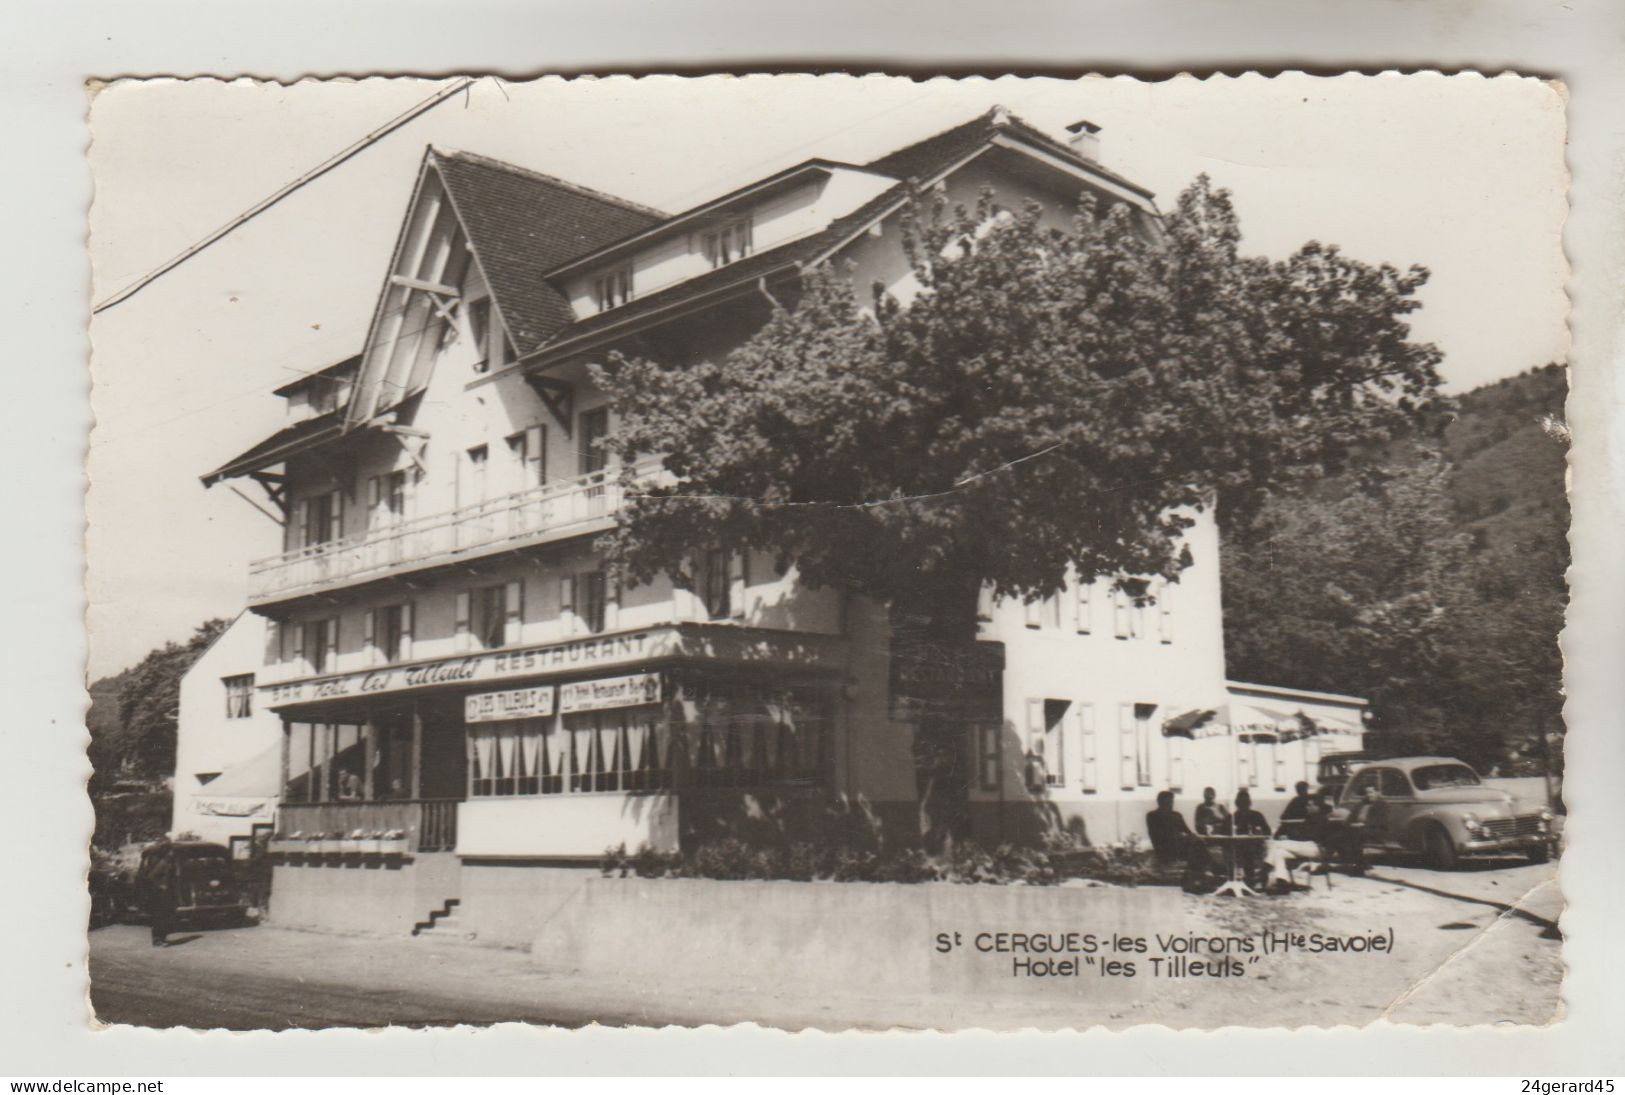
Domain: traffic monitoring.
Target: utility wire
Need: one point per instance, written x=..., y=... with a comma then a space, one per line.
x=309, y=176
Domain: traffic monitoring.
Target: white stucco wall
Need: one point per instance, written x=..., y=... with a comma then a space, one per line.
x=208, y=741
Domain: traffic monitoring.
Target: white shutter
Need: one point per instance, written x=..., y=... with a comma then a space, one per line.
x=1242, y=763
x=1128, y=745
x=567, y=603
x=1120, y=613
x=514, y=603
x=984, y=602
x=375, y=501
x=612, y=602
x=535, y=456
x=1085, y=718
x=369, y=636
x=1036, y=760
x=406, y=631
x=296, y=527
x=1279, y=756
x=273, y=642
x=1035, y=613
x=1085, y=597
x=737, y=579
x=335, y=514
x=299, y=656
x=464, y=639
x=331, y=638
x=1176, y=761
x=1165, y=612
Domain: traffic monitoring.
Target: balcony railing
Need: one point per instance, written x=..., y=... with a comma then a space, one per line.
x=531, y=516
x=430, y=825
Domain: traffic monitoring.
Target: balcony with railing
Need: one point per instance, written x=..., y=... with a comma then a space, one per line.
x=562, y=508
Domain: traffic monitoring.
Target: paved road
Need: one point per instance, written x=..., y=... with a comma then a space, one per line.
x=1477, y=945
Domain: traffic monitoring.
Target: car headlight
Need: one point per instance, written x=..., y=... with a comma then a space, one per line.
x=1470, y=820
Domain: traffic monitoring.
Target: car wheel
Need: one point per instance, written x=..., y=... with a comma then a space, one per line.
x=1540, y=853
x=1441, y=850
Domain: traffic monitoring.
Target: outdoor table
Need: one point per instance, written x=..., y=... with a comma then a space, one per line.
x=1236, y=886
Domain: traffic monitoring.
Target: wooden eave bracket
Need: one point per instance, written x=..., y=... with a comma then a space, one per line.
x=558, y=396
x=275, y=487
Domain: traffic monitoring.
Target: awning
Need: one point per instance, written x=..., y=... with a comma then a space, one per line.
x=244, y=789
x=1189, y=723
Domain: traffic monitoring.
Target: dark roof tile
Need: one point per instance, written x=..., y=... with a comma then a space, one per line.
x=521, y=224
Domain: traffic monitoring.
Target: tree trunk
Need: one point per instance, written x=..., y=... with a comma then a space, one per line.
x=941, y=678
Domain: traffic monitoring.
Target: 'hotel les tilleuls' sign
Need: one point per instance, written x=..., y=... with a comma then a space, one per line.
x=608, y=650
x=474, y=668
x=537, y=703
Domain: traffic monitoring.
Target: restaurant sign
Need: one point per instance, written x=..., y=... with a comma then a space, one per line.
x=610, y=692
x=715, y=643
x=515, y=703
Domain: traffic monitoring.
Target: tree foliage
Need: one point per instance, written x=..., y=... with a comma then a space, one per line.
x=140, y=742
x=1047, y=398
x=1429, y=578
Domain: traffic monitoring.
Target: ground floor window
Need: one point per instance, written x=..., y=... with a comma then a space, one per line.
x=737, y=734
x=348, y=761
x=623, y=749
x=715, y=734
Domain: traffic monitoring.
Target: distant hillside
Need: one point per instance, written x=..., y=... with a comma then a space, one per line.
x=1430, y=578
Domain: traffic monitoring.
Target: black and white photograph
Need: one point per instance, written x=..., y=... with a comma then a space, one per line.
x=828, y=552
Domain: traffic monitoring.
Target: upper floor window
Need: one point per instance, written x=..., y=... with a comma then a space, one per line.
x=591, y=431
x=239, y=696
x=322, y=518
x=386, y=495
x=489, y=616
x=613, y=289
x=716, y=585
x=730, y=243
x=594, y=600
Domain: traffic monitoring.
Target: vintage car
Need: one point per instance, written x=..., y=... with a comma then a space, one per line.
x=1437, y=807
x=189, y=882
x=1334, y=768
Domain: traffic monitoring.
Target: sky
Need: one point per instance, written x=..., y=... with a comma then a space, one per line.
x=1462, y=174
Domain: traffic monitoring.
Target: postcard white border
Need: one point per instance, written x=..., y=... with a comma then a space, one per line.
x=44, y=420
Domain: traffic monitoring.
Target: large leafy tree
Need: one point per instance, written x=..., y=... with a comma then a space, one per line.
x=1042, y=400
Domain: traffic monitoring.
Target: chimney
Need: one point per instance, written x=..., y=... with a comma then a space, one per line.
x=1084, y=137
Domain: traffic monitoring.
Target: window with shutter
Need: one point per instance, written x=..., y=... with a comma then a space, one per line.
x=1121, y=622
x=593, y=600
x=464, y=639
x=369, y=636
x=1035, y=745
x=738, y=579
x=1035, y=614
x=567, y=603
x=988, y=755
x=273, y=642
x=1165, y=612
x=513, y=596
x=1086, y=742
x=716, y=586
x=1143, y=713
x=404, y=647
x=1128, y=746
x=984, y=603
x=1086, y=593
x=489, y=616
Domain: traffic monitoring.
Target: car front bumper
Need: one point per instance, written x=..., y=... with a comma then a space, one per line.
x=1507, y=845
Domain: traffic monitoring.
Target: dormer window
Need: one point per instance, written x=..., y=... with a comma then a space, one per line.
x=730, y=243
x=613, y=289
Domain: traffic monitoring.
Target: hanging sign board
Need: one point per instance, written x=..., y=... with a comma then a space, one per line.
x=600, y=695
x=515, y=703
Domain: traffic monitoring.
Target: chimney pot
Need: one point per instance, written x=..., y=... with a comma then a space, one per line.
x=1084, y=137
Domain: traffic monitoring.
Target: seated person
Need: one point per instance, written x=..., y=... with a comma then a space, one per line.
x=1173, y=842
x=1313, y=843
x=1211, y=816
x=1296, y=812
x=1249, y=822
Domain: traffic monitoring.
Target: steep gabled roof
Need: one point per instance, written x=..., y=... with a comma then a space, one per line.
x=521, y=224
x=935, y=154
